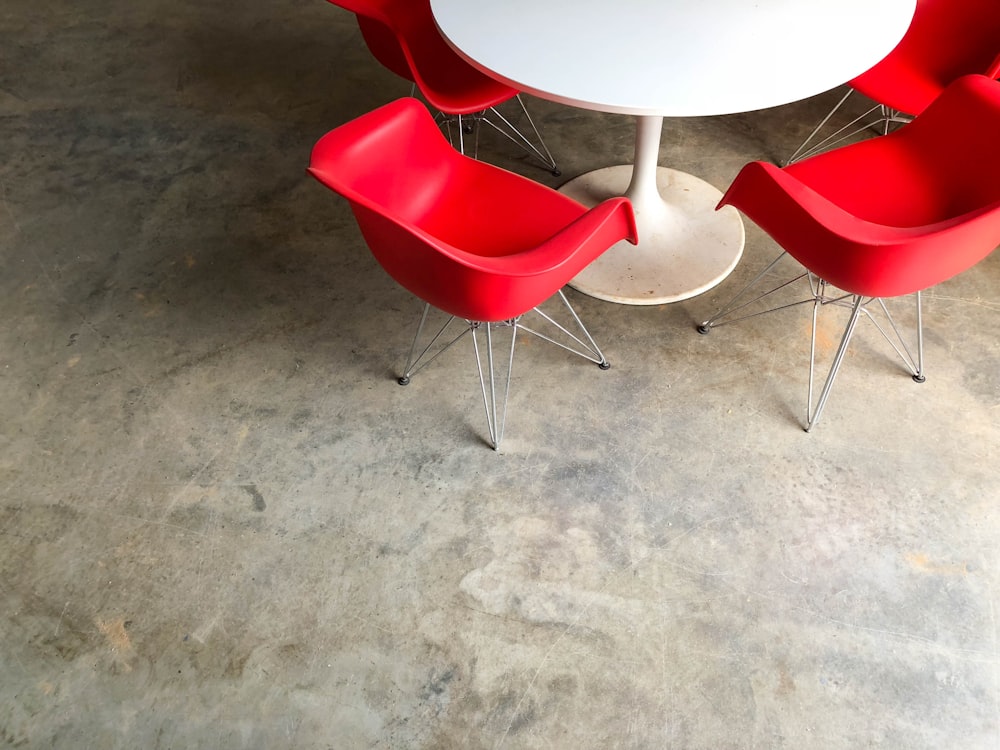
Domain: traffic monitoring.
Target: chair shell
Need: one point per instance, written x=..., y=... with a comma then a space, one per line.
x=893, y=215
x=468, y=238
x=946, y=40
x=402, y=36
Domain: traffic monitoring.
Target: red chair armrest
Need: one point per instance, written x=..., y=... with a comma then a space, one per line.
x=853, y=254
x=573, y=247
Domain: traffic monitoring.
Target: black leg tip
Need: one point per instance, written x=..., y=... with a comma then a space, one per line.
x=605, y=365
x=403, y=380
x=704, y=328
x=919, y=378
x=557, y=173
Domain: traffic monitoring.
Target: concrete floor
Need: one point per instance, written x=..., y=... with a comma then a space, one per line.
x=223, y=525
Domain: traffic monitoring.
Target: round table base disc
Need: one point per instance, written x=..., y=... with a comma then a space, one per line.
x=685, y=247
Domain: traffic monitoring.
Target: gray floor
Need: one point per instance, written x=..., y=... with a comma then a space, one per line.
x=223, y=525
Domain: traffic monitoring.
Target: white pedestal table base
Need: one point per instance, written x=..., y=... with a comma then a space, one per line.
x=685, y=247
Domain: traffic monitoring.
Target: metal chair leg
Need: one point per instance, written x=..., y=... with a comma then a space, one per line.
x=466, y=125
x=886, y=118
x=470, y=125
x=507, y=129
x=802, y=151
x=496, y=417
x=812, y=417
x=416, y=363
x=914, y=364
x=736, y=304
x=918, y=376
x=494, y=383
x=860, y=306
x=584, y=347
x=821, y=295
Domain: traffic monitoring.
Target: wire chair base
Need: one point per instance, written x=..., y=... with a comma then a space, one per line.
x=820, y=295
x=470, y=125
x=880, y=118
x=495, y=370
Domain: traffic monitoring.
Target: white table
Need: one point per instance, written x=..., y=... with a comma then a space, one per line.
x=669, y=58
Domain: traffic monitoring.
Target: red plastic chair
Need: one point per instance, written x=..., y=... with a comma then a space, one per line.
x=882, y=218
x=480, y=243
x=402, y=35
x=946, y=40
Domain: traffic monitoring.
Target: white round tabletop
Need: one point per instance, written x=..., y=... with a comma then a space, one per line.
x=675, y=58
x=669, y=58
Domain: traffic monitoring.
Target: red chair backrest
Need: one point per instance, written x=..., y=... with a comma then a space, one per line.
x=401, y=35
x=946, y=40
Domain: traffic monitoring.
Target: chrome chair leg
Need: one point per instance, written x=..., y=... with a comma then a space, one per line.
x=584, y=347
x=466, y=125
x=812, y=417
x=886, y=118
x=860, y=306
x=507, y=129
x=820, y=295
x=416, y=363
x=802, y=150
x=470, y=125
x=914, y=364
x=496, y=418
x=494, y=383
x=735, y=305
x=918, y=376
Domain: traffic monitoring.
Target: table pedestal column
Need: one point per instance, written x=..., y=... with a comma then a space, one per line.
x=685, y=247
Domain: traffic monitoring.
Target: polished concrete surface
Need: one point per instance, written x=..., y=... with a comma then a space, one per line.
x=224, y=525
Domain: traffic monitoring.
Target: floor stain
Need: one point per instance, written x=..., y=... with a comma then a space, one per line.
x=258, y=499
x=116, y=634
x=924, y=564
